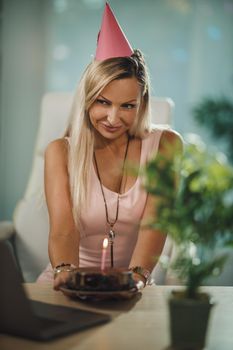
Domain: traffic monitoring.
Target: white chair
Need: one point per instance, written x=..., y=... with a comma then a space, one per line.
x=29, y=230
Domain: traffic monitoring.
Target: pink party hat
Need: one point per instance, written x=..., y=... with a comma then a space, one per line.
x=111, y=41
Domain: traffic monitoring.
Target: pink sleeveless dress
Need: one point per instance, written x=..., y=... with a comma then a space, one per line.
x=131, y=208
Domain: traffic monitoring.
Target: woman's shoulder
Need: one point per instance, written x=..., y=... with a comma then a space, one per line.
x=166, y=137
x=57, y=148
x=164, y=132
x=171, y=142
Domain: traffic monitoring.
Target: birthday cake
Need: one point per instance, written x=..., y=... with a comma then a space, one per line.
x=95, y=279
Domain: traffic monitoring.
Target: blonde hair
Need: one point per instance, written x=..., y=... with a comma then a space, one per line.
x=95, y=78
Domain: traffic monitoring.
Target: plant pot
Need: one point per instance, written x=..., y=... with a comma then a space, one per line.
x=189, y=320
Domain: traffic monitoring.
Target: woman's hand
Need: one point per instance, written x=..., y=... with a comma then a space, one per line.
x=139, y=281
x=62, y=278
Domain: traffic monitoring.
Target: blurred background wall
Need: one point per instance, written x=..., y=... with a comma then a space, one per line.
x=46, y=44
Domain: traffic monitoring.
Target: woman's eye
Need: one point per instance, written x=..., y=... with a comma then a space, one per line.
x=102, y=102
x=129, y=106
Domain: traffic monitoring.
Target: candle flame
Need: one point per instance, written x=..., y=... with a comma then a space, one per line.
x=105, y=243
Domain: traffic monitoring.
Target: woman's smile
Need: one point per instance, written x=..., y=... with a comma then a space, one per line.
x=110, y=128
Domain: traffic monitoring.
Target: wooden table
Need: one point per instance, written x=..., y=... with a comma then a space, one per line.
x=140, y=323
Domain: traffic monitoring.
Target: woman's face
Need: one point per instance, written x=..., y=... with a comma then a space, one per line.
x=115, y=109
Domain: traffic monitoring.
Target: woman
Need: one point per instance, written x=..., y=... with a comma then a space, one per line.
x=90, y=195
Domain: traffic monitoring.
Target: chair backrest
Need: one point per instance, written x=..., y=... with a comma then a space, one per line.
x=30, y=216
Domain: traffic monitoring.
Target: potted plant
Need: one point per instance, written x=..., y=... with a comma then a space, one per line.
x=197, y=215
x=215, y=114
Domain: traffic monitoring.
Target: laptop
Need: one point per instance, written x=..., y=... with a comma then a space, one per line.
x=20, y=316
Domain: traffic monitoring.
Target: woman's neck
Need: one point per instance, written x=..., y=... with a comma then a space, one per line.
x=115, y=145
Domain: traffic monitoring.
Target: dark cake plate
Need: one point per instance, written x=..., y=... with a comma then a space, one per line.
x=100, y=295
x=95, y=284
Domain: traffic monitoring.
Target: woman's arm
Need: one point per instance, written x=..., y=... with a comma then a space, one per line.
x=150, y=242
x=63, y=235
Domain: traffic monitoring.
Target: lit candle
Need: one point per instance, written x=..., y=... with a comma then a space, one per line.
x=104, y=252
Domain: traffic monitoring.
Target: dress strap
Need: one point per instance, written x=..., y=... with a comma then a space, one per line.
x=151, y=145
